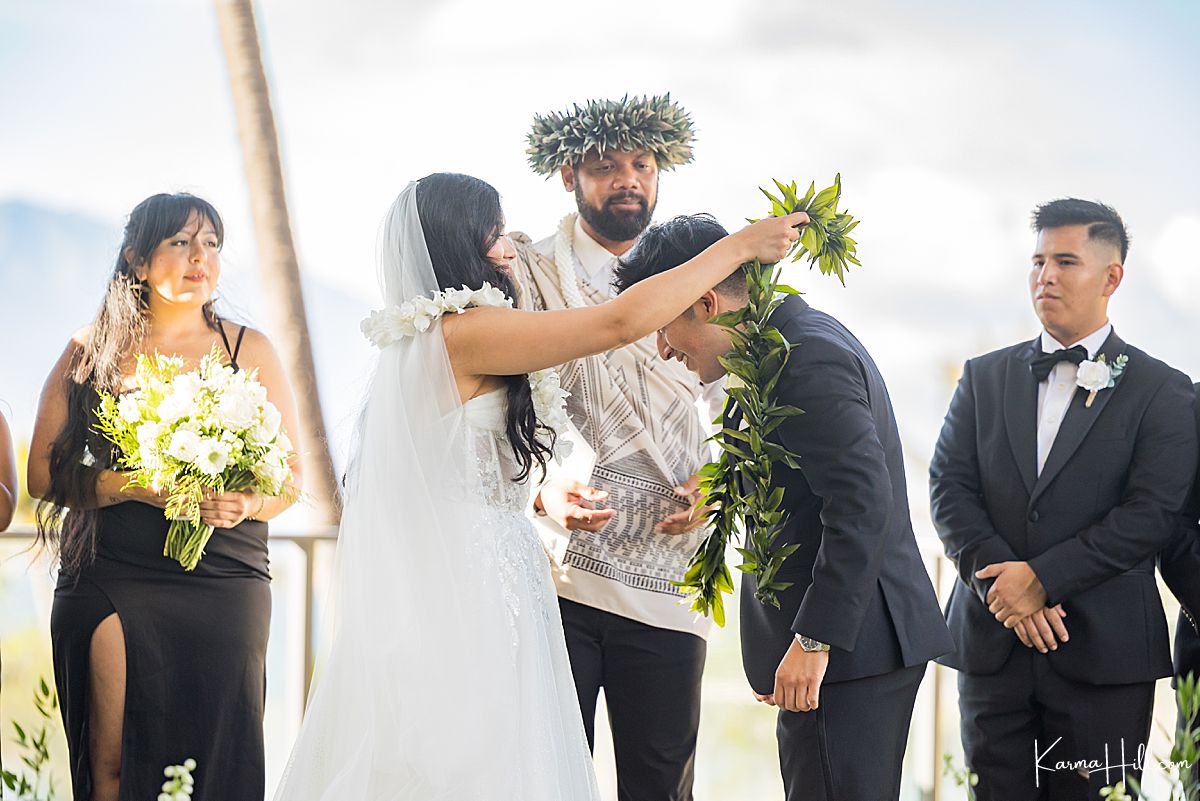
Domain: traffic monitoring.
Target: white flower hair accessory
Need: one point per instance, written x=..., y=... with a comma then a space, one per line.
x=385, y=327
x=1096, y=375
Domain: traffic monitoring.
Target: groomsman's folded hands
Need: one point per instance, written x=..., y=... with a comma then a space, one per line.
x=1018, y=600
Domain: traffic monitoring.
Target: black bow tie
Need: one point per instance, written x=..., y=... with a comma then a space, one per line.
x=1043, y=365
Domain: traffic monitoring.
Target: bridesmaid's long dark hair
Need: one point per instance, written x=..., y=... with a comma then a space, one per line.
x=462, y=219
x=67, y=517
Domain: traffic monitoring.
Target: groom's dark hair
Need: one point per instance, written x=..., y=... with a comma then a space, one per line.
x=667, y=245
x=1102, y=221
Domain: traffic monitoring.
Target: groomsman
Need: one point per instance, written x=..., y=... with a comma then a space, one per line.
x=844, y=654
x=1059, y=475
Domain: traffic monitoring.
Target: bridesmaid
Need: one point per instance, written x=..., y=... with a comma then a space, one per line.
x=8, y=476
x=154, y=665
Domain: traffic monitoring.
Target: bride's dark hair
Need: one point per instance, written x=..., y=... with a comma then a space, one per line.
x=67, y=517
x=462, y=219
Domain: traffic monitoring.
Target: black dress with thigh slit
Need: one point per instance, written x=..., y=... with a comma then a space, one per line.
x=195, y=654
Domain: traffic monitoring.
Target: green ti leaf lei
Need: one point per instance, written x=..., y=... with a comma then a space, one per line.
x=738, y=486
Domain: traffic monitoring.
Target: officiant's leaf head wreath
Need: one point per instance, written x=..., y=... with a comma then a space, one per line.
x=728, y=333
x=67, y=518
x=655, y=124
x=463, y=225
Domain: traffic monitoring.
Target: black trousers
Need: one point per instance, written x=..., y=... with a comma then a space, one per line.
x=851, y=748
x=651, y=681
x=1002, y=714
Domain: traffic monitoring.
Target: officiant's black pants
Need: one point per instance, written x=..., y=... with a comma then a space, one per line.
x=851, y=748
x=651, y=681
x=1003, y=713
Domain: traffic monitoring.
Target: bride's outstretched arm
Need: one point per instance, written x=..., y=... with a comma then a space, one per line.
x=497, y=341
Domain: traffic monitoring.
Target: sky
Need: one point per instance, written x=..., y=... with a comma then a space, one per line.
x=948, y=120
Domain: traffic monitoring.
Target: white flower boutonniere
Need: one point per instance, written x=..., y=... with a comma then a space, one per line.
x=1095, y=375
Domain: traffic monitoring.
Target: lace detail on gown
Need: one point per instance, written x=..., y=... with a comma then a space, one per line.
x=553, y=746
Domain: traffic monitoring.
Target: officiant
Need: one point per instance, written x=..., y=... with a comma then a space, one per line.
x=637, y=419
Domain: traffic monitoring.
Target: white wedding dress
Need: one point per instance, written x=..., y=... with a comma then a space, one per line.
x=443, y=673
x=553, y=760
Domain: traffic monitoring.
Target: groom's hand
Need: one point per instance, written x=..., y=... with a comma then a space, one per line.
x=693, y=518
x=570, y=504
x=1016, y=593
x=798, y=679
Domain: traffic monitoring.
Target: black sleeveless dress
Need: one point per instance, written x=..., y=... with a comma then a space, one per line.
x=195, y=651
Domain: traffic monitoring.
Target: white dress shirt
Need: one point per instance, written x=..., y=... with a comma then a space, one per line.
x=593, y=263
x=1055, y=393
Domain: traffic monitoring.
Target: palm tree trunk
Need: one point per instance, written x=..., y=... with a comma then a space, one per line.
x=277, y=261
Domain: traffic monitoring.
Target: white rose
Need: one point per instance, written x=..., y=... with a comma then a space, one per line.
x=267, y=427
x=184, y=445
x=212, y=457
x=1093, y=376
x=186, y=387
x=173, y=407
x=237, y=408
x=272, y=470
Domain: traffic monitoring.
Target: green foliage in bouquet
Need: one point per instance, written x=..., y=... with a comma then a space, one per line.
x=35, y=782
x=211, y=430
x=738, y=486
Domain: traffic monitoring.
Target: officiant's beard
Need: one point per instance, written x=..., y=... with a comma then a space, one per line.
x=615, y=226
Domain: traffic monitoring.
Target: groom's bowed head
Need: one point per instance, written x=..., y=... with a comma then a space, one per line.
x=689, y=338
x=609, y=153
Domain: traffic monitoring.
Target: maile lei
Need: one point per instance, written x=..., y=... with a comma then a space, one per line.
x=738, y=486
x=387, y=326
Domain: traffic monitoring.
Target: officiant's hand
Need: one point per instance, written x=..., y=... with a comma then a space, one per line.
x=1044, y=629
x=693, y=517
x=1016, y=594
x=798, y=680
x=569, y=503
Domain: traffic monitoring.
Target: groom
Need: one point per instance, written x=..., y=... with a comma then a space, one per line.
x=1053, y=488
x=844, y=654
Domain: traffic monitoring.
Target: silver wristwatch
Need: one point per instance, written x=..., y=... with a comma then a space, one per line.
x=810, y=645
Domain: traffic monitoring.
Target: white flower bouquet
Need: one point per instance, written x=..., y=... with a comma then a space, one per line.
x=190, y=433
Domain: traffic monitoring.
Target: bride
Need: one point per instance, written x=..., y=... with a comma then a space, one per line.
x=444, y=672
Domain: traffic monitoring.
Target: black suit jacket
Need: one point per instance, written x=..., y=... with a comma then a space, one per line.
x=859, y=582
x=1106, y=502
x=1180, y=567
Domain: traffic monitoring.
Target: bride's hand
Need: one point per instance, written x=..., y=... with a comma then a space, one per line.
x=569, y=503
x=770, y=239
